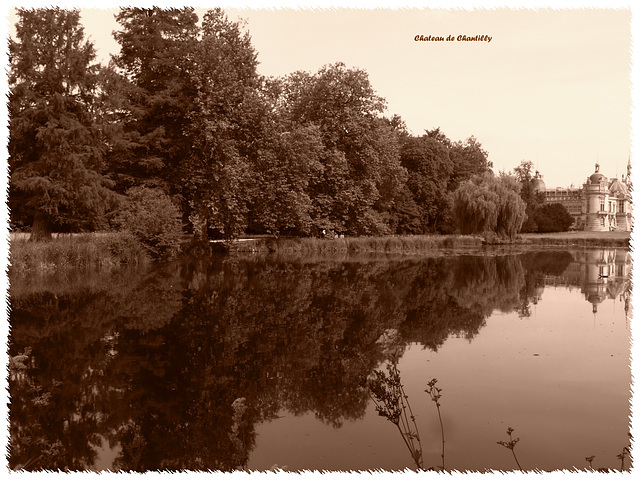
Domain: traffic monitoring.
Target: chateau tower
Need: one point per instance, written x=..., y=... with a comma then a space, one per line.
x=608, y=203
x=596, y=192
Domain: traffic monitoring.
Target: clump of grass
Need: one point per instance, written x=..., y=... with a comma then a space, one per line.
x=590, y=460
x=626, y=452
x=77, y=251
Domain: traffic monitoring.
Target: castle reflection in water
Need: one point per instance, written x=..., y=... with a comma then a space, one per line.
x=601, y=274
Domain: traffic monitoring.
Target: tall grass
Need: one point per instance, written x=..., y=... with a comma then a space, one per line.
x=416, y=244
x=387, y=244
x=76, y=251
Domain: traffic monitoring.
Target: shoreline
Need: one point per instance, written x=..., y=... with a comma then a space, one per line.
x=117, y=250
x=416, y=244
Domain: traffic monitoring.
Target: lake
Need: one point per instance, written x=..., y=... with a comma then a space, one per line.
x=265, y=362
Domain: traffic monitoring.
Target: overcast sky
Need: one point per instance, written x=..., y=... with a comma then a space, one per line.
x=552, y=86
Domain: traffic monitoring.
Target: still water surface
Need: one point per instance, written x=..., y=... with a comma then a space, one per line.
x=228, y=363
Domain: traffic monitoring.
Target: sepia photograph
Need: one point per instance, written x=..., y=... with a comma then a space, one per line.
x=323, y=237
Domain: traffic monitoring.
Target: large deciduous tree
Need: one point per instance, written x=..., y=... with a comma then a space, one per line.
x=468, y=157
x=361, y=174
x=224, y=128
x=193, y=119
x=430, y=168
x=283, y=172
x=56, y=146
x=531, y=197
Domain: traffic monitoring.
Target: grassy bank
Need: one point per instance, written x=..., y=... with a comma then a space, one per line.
x=417, y=244
x=577, y=239
x=78, y=251
x=390, y=244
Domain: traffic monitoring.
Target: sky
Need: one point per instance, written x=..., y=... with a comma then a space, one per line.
x=553, y=86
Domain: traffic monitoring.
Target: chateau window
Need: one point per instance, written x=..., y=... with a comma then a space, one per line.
x=621, y=206
x=602, y=204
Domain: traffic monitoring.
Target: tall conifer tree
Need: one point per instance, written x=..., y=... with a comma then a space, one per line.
x=155, y=59
x=55, y=144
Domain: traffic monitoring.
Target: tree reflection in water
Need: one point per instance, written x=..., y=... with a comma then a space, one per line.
x=174, y=368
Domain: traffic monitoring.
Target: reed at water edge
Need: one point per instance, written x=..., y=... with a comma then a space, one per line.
x=81, y=251
x=374, y=244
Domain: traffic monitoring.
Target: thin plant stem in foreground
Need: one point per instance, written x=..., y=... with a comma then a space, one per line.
x=387, y=392
x=435, y=393
x=590, y=460
x=511, y=445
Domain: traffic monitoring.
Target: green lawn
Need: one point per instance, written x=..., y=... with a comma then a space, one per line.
x=579, y=235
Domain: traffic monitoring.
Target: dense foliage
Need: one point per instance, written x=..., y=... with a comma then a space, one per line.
x=541, y=217
x=182, y=110
x=487, y=203
x=56, y=147
x=153, y=219
x=553, y=217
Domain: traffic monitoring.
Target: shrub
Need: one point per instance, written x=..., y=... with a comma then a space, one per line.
x=553, y=217
x=151, y=216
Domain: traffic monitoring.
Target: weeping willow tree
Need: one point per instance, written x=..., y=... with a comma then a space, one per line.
x=489, y=204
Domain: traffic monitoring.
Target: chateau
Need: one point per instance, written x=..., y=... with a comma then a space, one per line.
x=601, y=205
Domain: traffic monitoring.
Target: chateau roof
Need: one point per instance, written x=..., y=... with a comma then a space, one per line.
x=537, y=183
x=597, y=177
x=616, y=186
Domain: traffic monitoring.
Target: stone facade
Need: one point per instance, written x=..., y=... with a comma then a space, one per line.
x=607, y=203
x=601, y=205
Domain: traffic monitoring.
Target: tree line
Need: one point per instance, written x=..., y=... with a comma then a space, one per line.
x=180, y=133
